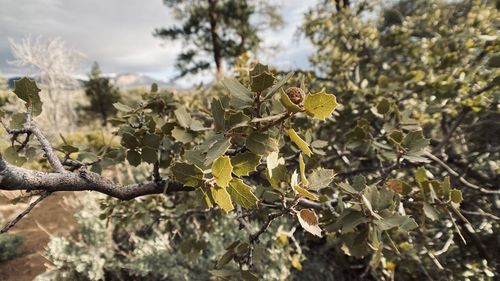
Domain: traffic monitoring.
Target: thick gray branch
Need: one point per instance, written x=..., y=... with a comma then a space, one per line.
x=16, y=178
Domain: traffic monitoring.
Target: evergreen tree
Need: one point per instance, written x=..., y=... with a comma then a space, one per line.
x=101, y=94
x=222, y=29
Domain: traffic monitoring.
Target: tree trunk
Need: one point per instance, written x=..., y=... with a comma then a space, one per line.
x=217, y=48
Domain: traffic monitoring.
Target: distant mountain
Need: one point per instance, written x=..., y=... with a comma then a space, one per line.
x=128, y=81
x=131, y=81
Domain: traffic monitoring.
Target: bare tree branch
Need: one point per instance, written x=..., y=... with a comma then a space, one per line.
x=16, y=178
x=19, y=217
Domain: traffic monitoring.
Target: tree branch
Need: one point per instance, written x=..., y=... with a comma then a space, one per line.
x=16, y=178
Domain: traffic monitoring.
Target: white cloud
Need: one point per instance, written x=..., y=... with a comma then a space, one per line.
x=118, y=33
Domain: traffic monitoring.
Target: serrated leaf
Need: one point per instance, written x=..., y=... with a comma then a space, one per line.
x=133, y=157
x=242, y=194
x=456, y=196
x=414, y=141
x=222, y=198
x=321, y=178
x=303, y=146
x=122, y=107
x=309, y=221
x=261, y=143
x=244, y=163
x=221, y=170
x=236, y=120
x=27, y=90
x=242, y=97
x=320, y=105
x=262, y=81
x=188, y=174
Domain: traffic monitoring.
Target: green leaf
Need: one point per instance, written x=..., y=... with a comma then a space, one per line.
x=27, y=90
x=278, y=85
x=242, y=97
x=236, y=120
x=244, y=163
x=305, y=193
x=242, y=194
x=320, y=105
x=262, y=81
x=222, y=198
x=299, y=142
x=383, y=106
x=430, y=211
x=181, y=135
x=414, y=141
x=456, y=196
x=183, y=117
x=188, y=174
x=217, y=149
x=133, y=157
x=218, y=114
x=258, y=69
x=287, y=102
x=221, y=170
x=122, y=107
x=149, y=155
x=302, y=169
x=129, y=141
x=321, y=178
x=494, y=61
x=421, y=174
x=261, y=143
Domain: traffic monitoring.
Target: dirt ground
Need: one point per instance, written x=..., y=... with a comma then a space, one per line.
x=53, y=216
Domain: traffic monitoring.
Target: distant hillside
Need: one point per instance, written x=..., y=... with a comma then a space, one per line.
x=127, y=81
x=131, y=81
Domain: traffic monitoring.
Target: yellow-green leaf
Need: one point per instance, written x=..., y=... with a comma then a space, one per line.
x=221, y=170
x=305, y=193
x=299, y=142
x=287, y=103
x=244, y=163
x=320, y=105
x=302, y=168
x=242, y=194
x=222, y=198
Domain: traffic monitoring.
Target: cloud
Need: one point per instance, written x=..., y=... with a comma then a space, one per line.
x=118, y=33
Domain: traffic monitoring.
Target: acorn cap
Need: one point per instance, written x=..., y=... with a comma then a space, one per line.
x=296, y=95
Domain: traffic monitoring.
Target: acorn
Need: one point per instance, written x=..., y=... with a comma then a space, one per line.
x=296, y=95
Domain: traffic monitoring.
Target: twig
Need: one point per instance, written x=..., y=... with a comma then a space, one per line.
x=460, y=178
x=25, y=212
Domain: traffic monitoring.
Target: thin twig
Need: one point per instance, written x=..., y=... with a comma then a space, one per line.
x=25, y=212
x=460, y=178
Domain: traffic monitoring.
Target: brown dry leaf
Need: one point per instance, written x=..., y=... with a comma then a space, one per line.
x=395, y=185
x=309, y=221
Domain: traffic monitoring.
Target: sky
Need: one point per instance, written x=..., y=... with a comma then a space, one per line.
x=118, y=34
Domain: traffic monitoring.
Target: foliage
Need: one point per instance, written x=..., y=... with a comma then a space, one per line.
x=101, y=95
x=145, y=248
x=221, y=29
x=9, y=246
x=353, y=167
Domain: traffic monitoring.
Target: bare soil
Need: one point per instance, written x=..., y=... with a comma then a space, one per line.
x=52, y=217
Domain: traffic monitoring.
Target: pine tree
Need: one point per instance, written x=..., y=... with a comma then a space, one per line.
x=101, y=94
x=222, y=29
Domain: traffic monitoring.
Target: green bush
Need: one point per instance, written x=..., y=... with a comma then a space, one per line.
x=9, y=246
